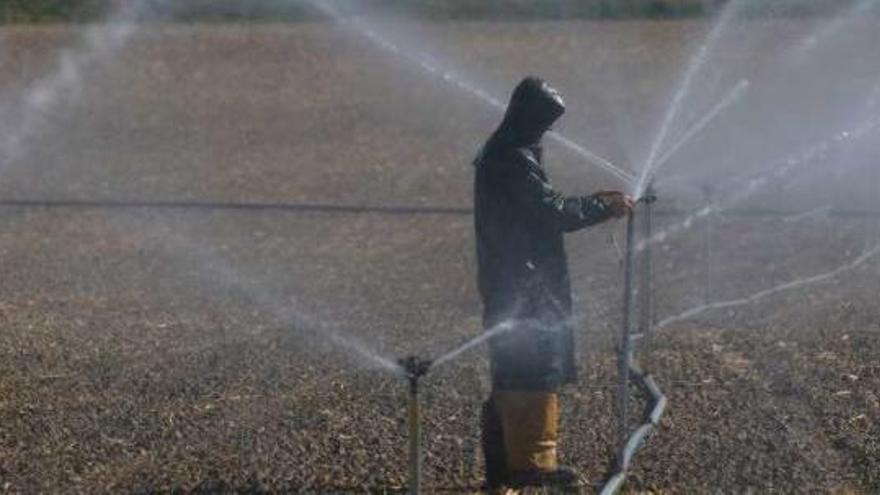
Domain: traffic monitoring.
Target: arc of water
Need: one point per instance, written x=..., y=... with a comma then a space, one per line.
x=322, y=330
x=788, y=286
x=821, y=211
x=778, y=171
x=499, y=329
x=807, y=45
x=674, y=109
x=870, y=107
x=100, y=42
x=434, y=69
x=335, y=336
x=301, y=321
x=623, y=175
x=729, y=99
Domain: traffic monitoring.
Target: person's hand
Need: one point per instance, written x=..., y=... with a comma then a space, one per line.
x=618, y=203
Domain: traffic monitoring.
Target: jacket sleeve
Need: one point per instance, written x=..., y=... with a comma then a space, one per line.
x=535, y=195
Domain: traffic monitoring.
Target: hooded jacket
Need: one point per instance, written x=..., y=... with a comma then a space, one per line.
x=522, y=269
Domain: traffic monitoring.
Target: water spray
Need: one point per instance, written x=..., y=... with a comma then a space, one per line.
x=729, y=99
x=694, y=67
x=434, y=69
x=415, y=368
x=99, y=44
x=785, y=287
x=854, y=13
x=779, y=170
x=629, y=443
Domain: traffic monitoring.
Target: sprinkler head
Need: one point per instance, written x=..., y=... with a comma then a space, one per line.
x=415, y=367
x=650, y=196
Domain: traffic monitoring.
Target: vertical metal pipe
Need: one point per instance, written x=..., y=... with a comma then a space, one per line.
x=779, y=248
x=415, y=437
x=625, y=351
x=646, y=290
x=707, y=244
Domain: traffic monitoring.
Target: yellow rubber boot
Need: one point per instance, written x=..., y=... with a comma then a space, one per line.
x=530, y=422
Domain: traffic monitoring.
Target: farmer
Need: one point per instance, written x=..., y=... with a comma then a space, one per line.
x=525, y=290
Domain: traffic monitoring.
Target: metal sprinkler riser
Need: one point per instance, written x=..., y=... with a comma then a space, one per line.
x=629, y=443
x=415, y=368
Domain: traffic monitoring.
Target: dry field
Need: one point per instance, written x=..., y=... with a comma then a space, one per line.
x=171, y=286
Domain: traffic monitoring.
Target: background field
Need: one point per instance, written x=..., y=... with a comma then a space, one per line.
x=24, y=11
x=184, y=344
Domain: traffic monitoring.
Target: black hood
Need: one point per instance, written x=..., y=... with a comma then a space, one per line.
x=534, y=107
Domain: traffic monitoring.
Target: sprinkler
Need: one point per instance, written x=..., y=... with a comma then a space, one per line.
x=628, y=371
x=415, y=368
x=628, y=337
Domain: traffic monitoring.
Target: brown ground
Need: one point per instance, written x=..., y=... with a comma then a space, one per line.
x=152, y=349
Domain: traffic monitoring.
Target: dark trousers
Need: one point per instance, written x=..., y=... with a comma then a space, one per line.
x=492, y=437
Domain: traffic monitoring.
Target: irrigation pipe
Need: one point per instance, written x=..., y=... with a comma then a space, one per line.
x=653, y=414
x=630, y=443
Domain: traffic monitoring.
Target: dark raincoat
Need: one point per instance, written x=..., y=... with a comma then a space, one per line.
x=522, y=268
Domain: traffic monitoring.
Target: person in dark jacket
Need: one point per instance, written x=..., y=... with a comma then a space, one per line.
x=524, y=286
